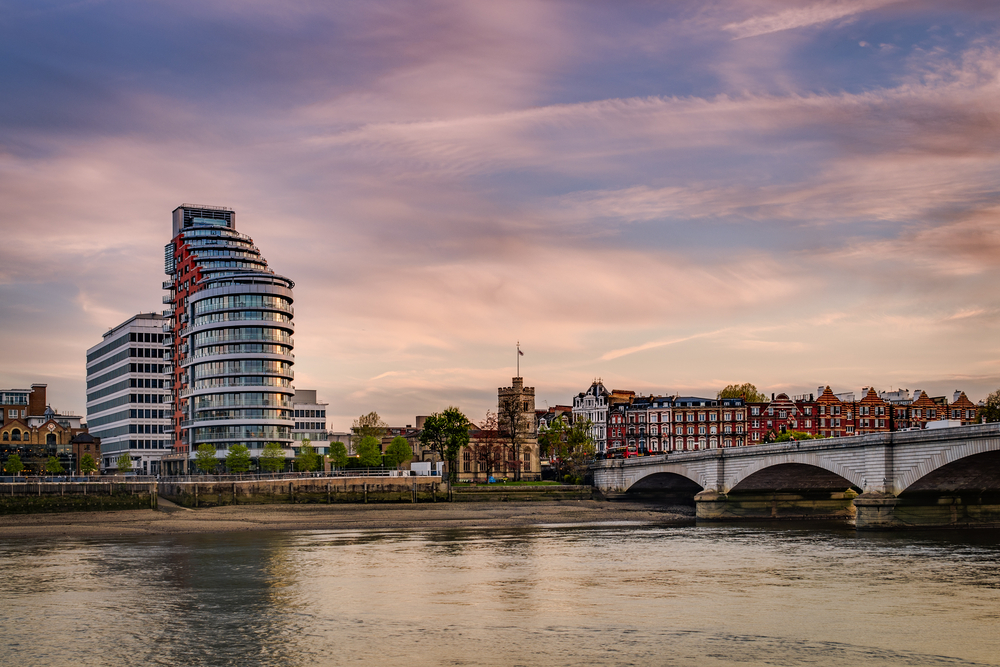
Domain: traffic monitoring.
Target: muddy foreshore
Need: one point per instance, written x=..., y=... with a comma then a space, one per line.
x=170, y=519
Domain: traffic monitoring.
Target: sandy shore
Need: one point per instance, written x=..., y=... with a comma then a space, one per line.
x=171, y=519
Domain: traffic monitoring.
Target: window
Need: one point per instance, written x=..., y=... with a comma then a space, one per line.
x=701, y=416
x=728, y=428
x=12, y=414
x=712, y=416
x=15, y=435
x=770, y=412
x=701, y=430
x=727, y=416
x=739, y=416
x=690, y=430
x=690, y=416
x=754, y=411
x=783, y=414
x=809, y=411
x=755, y=424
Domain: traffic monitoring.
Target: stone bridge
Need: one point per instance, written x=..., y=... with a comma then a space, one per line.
x=938, y=477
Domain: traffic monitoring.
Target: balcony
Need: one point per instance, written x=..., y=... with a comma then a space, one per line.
x=168, y=284
x=168, y=298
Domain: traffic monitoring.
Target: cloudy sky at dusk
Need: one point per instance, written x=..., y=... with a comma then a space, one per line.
x=670, y=196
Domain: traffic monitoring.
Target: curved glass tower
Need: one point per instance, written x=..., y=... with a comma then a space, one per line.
x=231, y=336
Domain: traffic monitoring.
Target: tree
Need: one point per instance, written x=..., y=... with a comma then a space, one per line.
x=990, y=409
x=579, y=448
x=53, y=466
x=515, y=426
x=87, y=464
x=487, y=451
x=795, y=435
x=398, y=452
x=338, y=454
x=446, y=433
x=238, y=458
x=272, y=458
x=308, y=459
x=124, y=462
x=370, y=425
x=551, y=438
x=204, y=458
x=14, y=465
x=369, y=452
x=747, y=391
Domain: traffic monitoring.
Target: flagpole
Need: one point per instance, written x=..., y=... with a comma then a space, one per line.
x=517, y=358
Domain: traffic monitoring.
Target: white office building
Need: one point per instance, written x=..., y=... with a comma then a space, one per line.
x=128, y=394
x=310, y=421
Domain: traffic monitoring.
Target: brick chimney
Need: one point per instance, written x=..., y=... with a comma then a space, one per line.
x=36, y=400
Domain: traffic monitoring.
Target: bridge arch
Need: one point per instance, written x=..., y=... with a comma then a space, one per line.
x=978, y=471
x=793, y=477
x=737, y=474
x=666, y=480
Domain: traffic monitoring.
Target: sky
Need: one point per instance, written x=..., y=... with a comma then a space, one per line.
x=670, y=196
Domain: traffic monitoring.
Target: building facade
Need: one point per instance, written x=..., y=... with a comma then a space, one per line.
x=310, y=422
x=230, y=332
x=128, y=394
x=592, y=404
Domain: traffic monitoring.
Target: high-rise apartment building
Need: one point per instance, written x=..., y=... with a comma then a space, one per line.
x=230, y=332
x=128, y=395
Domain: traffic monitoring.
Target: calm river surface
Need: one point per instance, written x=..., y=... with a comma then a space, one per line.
x=595, y=595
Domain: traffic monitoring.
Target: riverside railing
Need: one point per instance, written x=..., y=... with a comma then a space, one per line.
x=333, y=474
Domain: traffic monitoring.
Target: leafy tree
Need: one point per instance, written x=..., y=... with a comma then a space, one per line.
x=515, y=426
x=238, y=458
x=88, y=464
x=747, y=391
x=124, y=462
x=369, y=425
x=398, y=452
x=204, y=458
x=551, y=438
x=488, y=450
x=272, y=458
x=14, y=465
x=446, y=434
x=308, y=459
x=53, y=466
x=338, y=454
x=570, y=448
x=369, y=452
x=794, y=435
x=990, y=410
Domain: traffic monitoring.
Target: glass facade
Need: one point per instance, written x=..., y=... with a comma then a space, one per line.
x=232, y=329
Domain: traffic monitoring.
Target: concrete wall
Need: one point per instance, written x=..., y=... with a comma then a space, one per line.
x=308, y=490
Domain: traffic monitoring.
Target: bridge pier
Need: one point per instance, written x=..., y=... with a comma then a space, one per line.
x=883, y=511
x=711, y=505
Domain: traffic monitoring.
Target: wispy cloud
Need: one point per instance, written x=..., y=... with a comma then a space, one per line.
x=802, y=17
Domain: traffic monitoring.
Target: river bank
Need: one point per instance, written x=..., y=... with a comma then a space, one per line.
x=171, y=519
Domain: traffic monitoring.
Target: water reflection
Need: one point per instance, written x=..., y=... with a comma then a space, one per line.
x=542, y=596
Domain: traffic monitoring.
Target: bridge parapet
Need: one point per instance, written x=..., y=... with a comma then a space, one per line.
x=876, y=465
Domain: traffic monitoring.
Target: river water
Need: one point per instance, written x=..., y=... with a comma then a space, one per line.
x=552, y=595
